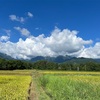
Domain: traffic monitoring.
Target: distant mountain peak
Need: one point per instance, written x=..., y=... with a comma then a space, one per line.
x=5, y=56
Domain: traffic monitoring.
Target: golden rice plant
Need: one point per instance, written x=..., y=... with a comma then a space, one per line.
x=14, y=87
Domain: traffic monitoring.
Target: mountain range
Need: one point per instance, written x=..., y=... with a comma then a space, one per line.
x=62, y=59
x=58, y=59
x=5, y=56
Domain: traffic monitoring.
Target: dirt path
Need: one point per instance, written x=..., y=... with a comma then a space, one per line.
x=31, y=92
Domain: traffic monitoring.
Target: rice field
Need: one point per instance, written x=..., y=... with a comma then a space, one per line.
x=49, y=85
x=16, y=72
x=69, y=73
x=14, y=85
x=61, y=85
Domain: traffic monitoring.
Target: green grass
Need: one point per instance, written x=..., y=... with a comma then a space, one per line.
x=71, y=87
x=37, y=90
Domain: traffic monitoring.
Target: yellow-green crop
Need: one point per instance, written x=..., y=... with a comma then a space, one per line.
x=14, y=87
x=60, y=85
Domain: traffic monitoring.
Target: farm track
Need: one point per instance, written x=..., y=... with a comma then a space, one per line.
x=31, y=92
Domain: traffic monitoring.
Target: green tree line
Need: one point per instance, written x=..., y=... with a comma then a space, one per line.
x=46, y=65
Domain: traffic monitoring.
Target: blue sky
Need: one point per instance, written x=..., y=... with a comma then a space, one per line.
x=22, y=21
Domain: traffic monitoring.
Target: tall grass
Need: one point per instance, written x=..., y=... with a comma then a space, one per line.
x=71, y=87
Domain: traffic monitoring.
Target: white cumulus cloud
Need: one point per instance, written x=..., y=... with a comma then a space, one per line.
x=91, y=52
x=23, y=31
x=4, y=38
x=65, y=41
x=60, y=42
x=30, y=14
x=16, y=18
